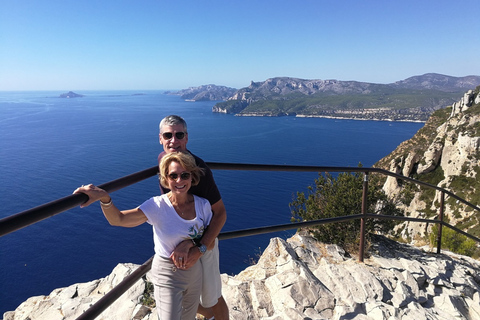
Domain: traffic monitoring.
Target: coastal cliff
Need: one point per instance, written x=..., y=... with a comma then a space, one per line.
x=412, y=99
x=445, y=153
x=301, y=278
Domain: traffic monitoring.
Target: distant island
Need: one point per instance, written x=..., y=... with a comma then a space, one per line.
x=70, y=94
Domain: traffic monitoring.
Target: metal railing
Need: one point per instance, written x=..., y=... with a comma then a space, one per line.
x=31, y=216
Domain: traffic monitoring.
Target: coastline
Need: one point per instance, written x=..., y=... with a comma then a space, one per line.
x=326, y=117
x=363, y=119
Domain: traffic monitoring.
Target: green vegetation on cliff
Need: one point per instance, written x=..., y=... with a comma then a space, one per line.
x=395, y=104
x=342, y=196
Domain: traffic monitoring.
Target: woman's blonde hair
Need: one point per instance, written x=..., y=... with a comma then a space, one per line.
x=186, y=160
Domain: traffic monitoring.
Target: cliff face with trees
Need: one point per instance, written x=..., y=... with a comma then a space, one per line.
x=445, y=153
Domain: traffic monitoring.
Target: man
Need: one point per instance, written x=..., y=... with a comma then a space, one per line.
x=174, y=137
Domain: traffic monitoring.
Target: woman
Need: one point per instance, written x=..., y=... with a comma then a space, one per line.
x=175, y=216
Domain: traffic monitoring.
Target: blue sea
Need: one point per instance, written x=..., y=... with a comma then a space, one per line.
x=49, y=146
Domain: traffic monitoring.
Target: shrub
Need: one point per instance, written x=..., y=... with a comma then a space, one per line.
x=147, y=297
x=453, y=241
x=342, y=196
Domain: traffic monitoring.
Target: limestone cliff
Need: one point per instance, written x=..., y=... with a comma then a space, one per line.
x=445, y=152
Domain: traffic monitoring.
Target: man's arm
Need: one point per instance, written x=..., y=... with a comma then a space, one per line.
x=216, y=224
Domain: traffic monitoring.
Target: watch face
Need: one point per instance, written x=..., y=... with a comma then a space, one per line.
x=203, y=248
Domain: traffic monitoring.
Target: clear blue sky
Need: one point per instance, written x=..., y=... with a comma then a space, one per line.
x=143, y=44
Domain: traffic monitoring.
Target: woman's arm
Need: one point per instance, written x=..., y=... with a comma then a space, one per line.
x=125, y=218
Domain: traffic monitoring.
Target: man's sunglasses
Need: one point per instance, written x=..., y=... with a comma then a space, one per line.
x=183, y=176
x=169, y=135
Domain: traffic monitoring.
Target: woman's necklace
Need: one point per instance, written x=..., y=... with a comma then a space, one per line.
x=176, y=206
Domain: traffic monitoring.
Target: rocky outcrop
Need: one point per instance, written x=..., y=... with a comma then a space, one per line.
x=72, y=301
x=301, y=278
x=230, y=107
x=208, y=92
x=447, y=149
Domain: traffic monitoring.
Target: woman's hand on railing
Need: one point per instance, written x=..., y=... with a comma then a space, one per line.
x=94, y=193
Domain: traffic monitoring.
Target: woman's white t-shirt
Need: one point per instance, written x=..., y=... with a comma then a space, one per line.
x=169, y=229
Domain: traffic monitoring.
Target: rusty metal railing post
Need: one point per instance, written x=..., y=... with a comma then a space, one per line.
x=361, y=250
x=440, y=225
